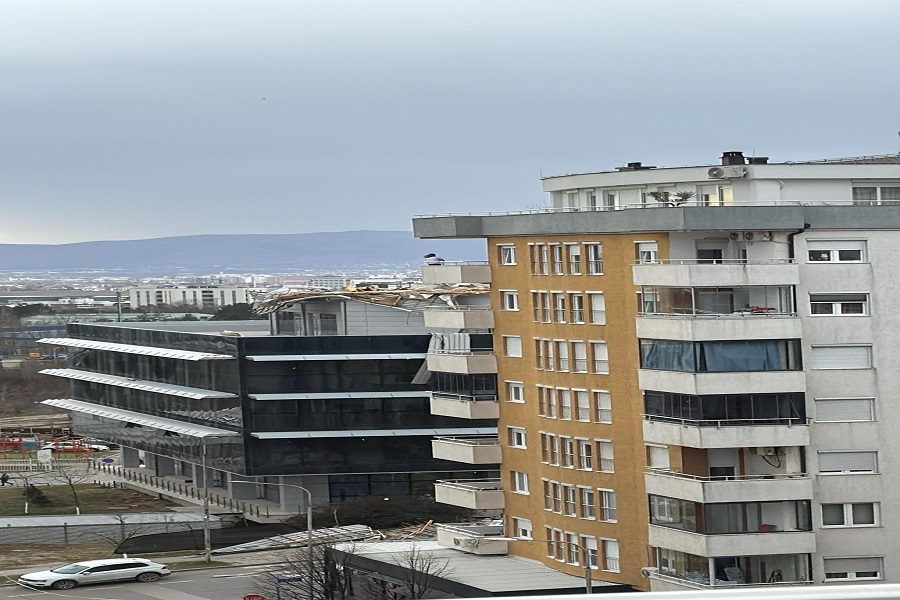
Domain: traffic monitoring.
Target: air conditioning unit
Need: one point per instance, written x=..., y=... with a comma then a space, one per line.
x=648, y=571
x=748, y=235
x=727, y=172
x=458, y=541
x=734, y=236
x=766, y=451
x=466, y=542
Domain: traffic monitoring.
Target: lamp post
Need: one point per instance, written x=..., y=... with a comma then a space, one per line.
x=207, y=536
x=309, y=527
x=588, y=578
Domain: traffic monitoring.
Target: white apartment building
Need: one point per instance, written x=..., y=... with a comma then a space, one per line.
x=753, y=308
x=207, y=297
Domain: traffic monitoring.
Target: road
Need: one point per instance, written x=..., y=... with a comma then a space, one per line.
x=206, y=584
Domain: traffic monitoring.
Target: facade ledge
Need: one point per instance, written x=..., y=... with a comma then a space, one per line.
x=734, y=544
x=746, y=488
x=732, y=435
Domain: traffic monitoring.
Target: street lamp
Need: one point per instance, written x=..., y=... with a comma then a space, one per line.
x=207, y=536
x=588, y=579
x=309, y=527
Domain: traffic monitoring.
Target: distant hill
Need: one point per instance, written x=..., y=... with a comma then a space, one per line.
x=258, y=253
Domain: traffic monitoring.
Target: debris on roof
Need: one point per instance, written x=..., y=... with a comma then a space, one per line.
x=409, y=297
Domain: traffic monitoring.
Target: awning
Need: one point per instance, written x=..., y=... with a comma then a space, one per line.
x=294, y=357
x=361, y=433
x=132, y=349
x=138, y=384
x=117, y=414
x=341, y=395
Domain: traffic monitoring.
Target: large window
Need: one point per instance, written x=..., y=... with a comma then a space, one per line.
x=720, y=356
x=574, y=252
x=850, y=514
x=839, y=304
x=857, y=567
x=836, y=410
x=849, y=461
x=600, y=353
x=512, y=346
x=876, y=195
x=730, y=517
x=594, y=259
x=836, y=250
x=598, y=308
x=726, y=409
x=841, y=357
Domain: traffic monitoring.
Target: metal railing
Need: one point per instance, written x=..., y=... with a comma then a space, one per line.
x=466, y=397
x=745, y=477
x=472, y=484
x=474, y=440
x=718, y=261
x=462, y=351
x=718, y=423
x=740, y=314
x=457, y=263
x=13, y=465
x=185, y=490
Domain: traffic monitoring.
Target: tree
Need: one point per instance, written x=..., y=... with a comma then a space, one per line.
x=380, y=512
x=331, y=579
x=418, y=574
x=70, y=476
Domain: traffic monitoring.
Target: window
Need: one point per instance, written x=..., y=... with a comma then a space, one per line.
x=574, y=251
x=546, y=447
x=546, y=307
x=512, y=346
x=607, y=505
x=548, y=495
x=592, y=556
x=605, y=452
x=839, y=304
x=579, y=352
x=647, y=252
x=509, y=299
x=602, y=406
x=537, y=306
x=551, y=402
x=562, y=355
x=582, y=405
x=876, y=195
x=540, y=361
x=507, y=254
x=833, y=410
x=841, y=357
x=553, y=442
x=585, y=458
x=836, y=250
x=598, y=308
x=587, y=503
x=516, y=437
x=558, y=266
x=544, y=259
x=601, y=357
x=856, y=514
x=863, y=567
x=559, y=303
x=657, y=457
x=573, y=550
x=549, y=347
x=522, y=528
x=543, y=401
x=570, y=495
x=519, y=482
x=576, y=304
x=853, y=461
x=557, y=497
x=568, y=452
x=515, y=392
x=594, y=259
x=539, y=259
x=611, y=555
x=565, y=403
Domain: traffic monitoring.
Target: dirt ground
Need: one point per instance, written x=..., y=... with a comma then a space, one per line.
x=14, y=556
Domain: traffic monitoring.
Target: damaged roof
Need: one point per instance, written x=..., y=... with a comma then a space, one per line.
x=410, y=298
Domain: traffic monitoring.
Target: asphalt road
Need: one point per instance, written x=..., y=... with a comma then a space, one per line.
x=205, y=584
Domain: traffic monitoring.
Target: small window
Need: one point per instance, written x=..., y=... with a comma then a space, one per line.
x=519, y=482
x=851, y=461
x=507, y=254
x=512, y=346
x=602, y=406
x=607, y=505
x=836, y=410
x=605, y=452
x=647, y=253
x=516, y=436
x=585, y=455
x=588, y=510
x=509, y=300
x=839, y=304
x=598, y=308
x=522, y=528
x=574, y=251
x=657, y=457
x=600, y=357
x=594, y=258
x=850, y=514
x=862, y=567
x=836, y=250
x=841, y=357
x=515, y=391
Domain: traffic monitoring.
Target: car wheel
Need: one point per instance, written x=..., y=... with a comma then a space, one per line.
x=64, y=584
x=145, y=577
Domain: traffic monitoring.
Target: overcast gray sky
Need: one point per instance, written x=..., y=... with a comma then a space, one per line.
x=128, y=119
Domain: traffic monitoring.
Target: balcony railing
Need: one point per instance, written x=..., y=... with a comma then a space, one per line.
x=718, y=423
x=704, y=582
x=469, y=440
x=463, y=351
x=702, y=478
x=753, y=312
x=480, y=485
x=466, y=397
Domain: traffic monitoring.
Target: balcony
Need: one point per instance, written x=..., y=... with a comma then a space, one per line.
x=737, y=488
x=703, y=384
x=452, y=272
x=749, y=433
x=474, y=539
x=725, y=273
x=464, y=317
x=737, y=326
x=733, y=544
x=465, y=406
x=471, y=362
x=473, y=450
x=681, y=571
x=477, y=494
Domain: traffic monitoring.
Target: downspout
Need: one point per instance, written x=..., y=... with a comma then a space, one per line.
x=792, y=255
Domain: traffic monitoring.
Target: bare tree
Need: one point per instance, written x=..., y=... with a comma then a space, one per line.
x=290, y=579
x=69, y=476
x=124, y=531
x=416, y=578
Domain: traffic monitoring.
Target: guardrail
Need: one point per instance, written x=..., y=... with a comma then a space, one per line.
x=718, y=423
x=704, y=478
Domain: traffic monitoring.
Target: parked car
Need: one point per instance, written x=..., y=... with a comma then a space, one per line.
x=74, y=446
x=95, y=571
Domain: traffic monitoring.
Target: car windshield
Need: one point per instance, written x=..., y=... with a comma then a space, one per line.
x=74, y=568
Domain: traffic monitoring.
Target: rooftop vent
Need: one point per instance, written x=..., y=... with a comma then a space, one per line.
x=733, y=158
x=634, y=166
x=758, y=160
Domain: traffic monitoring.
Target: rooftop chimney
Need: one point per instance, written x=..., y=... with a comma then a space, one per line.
x=634, y=166
x=758, y=160
x=733, y=158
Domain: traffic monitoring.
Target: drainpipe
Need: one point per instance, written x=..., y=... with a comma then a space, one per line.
x=791, y=239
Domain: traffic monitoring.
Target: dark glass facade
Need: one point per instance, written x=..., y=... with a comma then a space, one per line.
x=459, y=384
x=721, y=356
x=727, y=409
x=730, y=517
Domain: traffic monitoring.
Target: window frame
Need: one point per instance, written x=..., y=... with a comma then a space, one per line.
x=837, y=306
x=594, y=258
x=515, y=392
x=507, y=254
x=509, y=300
x=847, y=521
x=509, y=350
x=517, y=437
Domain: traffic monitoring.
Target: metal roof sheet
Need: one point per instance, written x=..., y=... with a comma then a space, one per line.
x=343, y=433
x=138, y=384
x=286, y=357
x=133, y=349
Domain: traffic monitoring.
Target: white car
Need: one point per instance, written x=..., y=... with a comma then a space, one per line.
x=70, y=446
x=95, y=571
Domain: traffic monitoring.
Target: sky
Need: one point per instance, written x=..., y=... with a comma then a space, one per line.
x=151, y=118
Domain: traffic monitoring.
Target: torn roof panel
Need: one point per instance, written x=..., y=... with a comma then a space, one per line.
x=412, y=298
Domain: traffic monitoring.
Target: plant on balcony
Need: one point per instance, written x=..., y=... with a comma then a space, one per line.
x=671, y=198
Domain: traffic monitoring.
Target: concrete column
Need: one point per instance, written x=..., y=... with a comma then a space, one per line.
x=150, y=461
x=165, y=466
x=243, y=491
x=130, y=458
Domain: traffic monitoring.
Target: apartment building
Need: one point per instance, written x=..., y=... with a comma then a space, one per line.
x=695, y=370
x=206, y=297
x=332, y=394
